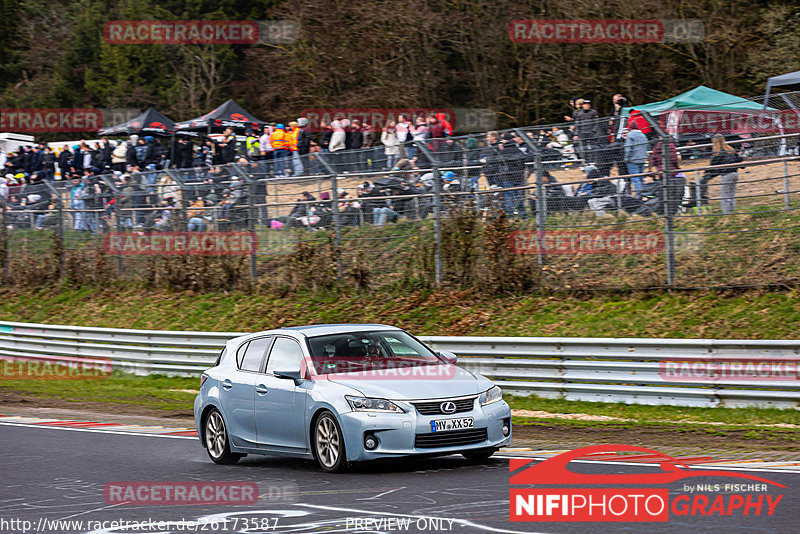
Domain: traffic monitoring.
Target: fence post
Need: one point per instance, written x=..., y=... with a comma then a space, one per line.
x=117, y=214
x=60, y=206
x=437, y=210
x=541, y=196
x=786, y=185
x=337, y=237
x=251, y=218
x=668, y=218
x=182, y=220
x=698, y=192
x=5, y=250
x=56, y=194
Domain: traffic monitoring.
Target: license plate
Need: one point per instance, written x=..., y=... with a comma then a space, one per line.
x=462, y=423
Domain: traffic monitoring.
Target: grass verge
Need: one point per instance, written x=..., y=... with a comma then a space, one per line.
x=733, y=315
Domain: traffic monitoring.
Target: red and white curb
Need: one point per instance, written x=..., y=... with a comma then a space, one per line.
x=530, y=453
x=112, y=428
x=706, y=462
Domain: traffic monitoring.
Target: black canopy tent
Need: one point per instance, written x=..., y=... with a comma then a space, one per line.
x=785, y=81
x=151, y=122
x=228, y=115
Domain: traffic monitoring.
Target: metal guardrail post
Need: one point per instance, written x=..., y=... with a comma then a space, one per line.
x=437, y=210
x=669, y=222
x=541, y=198
x=337, y=235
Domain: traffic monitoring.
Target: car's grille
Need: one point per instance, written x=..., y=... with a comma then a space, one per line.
x=450, y=439
x=435, y=407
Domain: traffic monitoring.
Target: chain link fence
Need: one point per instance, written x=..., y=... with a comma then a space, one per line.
x=602, y=204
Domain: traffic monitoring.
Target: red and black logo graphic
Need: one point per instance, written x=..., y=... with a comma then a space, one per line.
x=631, y=504
x=238, y=117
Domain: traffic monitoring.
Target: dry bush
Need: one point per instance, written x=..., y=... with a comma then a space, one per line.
x=461, y=243
x=312, y=266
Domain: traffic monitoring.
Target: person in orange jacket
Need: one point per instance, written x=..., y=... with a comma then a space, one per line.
x=292, y=135
x=280, y=144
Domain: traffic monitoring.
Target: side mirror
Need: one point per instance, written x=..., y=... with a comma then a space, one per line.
x=291, y=374
x=448, y=357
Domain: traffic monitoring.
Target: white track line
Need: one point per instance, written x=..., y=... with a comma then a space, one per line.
x=606, y=462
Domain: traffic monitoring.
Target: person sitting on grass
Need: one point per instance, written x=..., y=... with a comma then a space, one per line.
x=646, y=201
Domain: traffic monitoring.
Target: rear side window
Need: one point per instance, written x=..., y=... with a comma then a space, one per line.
x=254, y=354
x=240, y=354
x=221, y=356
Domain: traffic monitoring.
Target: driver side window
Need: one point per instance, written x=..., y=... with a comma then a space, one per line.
x=286, y=354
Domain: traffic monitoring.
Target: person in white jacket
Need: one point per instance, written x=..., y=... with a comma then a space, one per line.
x=337, y=138
x=391, y=144
x=119, y=157
x=265, y=145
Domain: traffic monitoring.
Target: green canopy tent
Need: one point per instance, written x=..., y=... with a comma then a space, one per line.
x=700, y=97
x=704, y=111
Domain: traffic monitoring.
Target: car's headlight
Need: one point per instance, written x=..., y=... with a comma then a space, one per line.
x=491, y=395
x=367, y=404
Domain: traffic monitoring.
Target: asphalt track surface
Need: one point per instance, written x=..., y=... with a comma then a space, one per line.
x=54, y=474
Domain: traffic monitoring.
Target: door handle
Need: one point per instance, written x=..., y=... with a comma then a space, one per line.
x=227, y=384
x=261, y=389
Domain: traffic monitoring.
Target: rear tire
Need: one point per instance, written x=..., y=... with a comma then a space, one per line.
x=328, y=443
x=216, y=440
x=478, y=456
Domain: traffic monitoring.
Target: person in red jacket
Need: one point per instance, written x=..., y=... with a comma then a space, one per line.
x=636, y=121
x=448, y=128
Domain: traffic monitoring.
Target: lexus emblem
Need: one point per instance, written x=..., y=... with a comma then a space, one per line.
x=448, y=407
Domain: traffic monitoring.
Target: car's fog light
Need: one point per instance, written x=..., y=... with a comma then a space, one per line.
x=506, y=427
x=370, y=442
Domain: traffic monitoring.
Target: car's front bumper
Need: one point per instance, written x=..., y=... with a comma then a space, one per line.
x=396, y=434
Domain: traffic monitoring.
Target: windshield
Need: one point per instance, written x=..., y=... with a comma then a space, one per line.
x=367, y=351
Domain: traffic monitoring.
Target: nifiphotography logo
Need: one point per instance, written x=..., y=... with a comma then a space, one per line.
x=634, y=497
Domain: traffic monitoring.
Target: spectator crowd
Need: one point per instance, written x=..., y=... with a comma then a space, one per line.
x=124, y=183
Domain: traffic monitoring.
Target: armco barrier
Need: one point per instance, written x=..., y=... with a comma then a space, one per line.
x=593, y=369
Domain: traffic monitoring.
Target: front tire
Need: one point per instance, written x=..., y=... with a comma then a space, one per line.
x=328, y=444
x=478, y=456
x=216, y=440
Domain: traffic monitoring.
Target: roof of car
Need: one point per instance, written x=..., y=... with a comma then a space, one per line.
x=324, y=329
x=321, y=330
